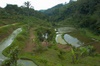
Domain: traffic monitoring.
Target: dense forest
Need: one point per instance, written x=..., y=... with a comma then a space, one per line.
x=28, y=36
x=15, y=13
x=82, y=14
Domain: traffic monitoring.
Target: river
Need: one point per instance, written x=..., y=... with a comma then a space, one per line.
x=4, y=44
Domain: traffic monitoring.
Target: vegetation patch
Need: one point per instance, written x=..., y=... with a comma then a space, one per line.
x=7, y=30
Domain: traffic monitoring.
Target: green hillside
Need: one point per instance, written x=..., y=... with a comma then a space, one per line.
x=39, y=31
x=14, y=14
x=81, y=13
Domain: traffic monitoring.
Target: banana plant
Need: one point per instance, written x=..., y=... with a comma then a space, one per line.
x=75, y=55
x=87, y=50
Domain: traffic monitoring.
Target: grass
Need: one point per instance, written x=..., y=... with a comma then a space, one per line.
x=91, y=34
x=52, y=56
x=6, y=31
x=19, y=41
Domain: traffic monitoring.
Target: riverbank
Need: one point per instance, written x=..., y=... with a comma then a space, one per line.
x=7, y=30
x=7, y=42
x=19, y=42
x=87, y=38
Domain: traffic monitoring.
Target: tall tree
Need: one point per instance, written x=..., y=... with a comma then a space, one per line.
x=27, y=4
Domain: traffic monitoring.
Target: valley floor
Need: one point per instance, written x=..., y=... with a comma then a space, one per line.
x=46, y=53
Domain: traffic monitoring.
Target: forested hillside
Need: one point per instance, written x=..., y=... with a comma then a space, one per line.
x=51, y=11
x=81, y=13
x=12, y=14
x=65, y=35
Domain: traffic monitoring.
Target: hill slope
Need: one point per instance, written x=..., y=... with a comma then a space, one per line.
x=12, y=14
x=82, y=13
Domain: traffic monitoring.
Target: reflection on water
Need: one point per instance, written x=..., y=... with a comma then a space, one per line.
x=59, y=39
x=65, y=29
x=7, y=42
x=71, y=40
x=26, y=63
x=66, y=38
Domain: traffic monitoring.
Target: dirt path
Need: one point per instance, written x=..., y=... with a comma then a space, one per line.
x=30, y=44
x=64, y=47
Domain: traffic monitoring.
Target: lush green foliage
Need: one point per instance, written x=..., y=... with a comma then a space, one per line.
x=13, y=57
x=12, y=14
x=42, y=31
x=19, y=41
x=82, y=13
x=7, y=30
